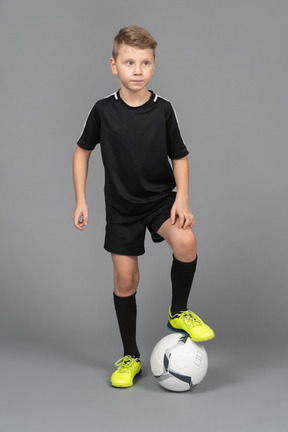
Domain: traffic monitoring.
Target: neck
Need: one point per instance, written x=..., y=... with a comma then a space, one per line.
x=135, y=99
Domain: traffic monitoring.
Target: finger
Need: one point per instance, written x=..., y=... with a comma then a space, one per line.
x=85, y=219
x=78, y=222
x=82, y=221
x=173, y=216
x=187, y=224
x=193, y=221
x=181, y=221
x=78, y=226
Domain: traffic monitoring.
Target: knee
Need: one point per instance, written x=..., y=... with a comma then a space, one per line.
x=185, y=247
x=125, y=283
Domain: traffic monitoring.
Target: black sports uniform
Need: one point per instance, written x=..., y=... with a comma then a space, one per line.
x=135, y=145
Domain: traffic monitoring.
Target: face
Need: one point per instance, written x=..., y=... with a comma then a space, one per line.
x=134, y=67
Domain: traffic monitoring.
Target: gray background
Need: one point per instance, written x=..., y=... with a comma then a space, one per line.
x=223, y=65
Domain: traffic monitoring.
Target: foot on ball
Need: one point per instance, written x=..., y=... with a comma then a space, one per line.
x=188, y=322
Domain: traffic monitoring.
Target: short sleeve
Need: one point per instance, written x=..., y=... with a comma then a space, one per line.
x=176, y=148
x=91, y=131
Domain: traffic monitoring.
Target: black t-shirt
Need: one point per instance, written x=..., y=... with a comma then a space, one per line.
x=135, y=145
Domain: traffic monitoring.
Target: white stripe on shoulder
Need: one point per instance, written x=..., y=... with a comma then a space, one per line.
x=161, y=98
x=105, y=97
x=86, y=121
x=112, y=94
x=175, y=116
x=171, y=106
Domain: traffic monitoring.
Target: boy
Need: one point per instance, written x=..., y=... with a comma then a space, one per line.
x=138, y=131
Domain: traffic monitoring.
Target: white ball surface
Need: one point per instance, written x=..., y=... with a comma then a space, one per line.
x=178, y=363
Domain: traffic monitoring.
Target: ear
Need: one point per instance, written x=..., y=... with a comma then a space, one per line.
x=113, y=66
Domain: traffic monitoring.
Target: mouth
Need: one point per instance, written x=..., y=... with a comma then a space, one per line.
x=137, y=81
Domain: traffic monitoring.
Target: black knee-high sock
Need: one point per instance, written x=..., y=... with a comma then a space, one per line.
x=126, y=311
x=182, y=275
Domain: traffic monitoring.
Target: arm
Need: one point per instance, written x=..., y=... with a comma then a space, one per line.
x=180, y=207
x=80, y=172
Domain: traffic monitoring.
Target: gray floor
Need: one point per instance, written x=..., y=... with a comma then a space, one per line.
x=66, y=388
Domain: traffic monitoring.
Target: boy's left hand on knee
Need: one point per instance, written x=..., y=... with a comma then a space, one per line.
x=182, y=215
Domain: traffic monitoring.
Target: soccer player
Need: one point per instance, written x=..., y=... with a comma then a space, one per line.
x=138, y=133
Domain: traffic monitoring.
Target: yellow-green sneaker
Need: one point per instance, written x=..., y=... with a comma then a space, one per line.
x=188, y=322
x=128, y=368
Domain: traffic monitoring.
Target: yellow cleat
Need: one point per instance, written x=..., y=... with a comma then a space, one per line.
x=188, y=322
x=128, y=369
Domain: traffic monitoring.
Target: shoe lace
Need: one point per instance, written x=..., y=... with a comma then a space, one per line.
x=190, y=319
x=125, y=363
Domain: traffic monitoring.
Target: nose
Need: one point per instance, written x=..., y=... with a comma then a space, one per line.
x=137, y=69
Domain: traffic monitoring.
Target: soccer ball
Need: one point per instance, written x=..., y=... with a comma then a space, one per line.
x=178, y=363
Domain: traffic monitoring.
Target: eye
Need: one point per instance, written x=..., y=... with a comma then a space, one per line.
x=146, y=63
x=129, y=62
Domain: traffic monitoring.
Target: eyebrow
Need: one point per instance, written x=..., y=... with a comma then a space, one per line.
x=131, y=59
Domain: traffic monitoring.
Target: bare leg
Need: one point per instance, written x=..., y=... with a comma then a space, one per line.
x=126, y=274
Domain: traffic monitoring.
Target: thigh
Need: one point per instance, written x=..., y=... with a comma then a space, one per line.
x=125, y=264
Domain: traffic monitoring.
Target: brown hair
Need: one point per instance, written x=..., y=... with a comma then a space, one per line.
x=134, y=36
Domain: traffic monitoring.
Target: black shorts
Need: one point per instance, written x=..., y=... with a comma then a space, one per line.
x=128, y=238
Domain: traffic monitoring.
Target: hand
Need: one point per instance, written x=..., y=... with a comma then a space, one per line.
x=182, y=214
x=80, y=216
